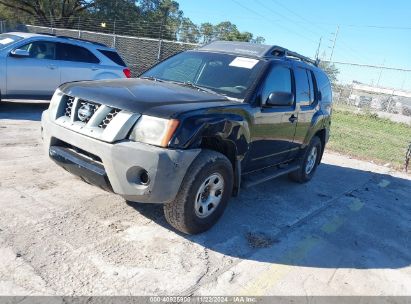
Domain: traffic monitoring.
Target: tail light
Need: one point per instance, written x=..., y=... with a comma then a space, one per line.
x=127, y=72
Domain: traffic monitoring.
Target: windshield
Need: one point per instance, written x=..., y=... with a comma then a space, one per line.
x=6, y=40
x=224, y=74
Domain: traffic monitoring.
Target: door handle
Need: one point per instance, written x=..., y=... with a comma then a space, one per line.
x=293, y=118
x=94, y=68
x=52, y=67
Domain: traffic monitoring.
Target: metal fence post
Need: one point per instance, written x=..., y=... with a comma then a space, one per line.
x=78, y=28
x=160, y=46
x=114, y=33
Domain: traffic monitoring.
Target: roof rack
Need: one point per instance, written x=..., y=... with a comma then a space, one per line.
x=278, y=51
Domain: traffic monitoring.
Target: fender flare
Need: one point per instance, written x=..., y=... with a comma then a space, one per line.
x=229, y=128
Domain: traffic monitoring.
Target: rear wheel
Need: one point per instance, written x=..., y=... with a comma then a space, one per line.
x=203, y=195
x=309, y=162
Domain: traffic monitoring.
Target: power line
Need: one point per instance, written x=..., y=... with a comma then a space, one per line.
x=276, y=24
x=380, y=67
x=384, y=27
x=310, y=23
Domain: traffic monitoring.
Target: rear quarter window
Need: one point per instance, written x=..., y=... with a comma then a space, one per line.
x=113, y=56
x=324, y=86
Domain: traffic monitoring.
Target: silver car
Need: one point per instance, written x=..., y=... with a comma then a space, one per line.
x=32, y=66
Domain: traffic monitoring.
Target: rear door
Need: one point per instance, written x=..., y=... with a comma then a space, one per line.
x=76, y=63
x=273, y=128
x=36, y=76
x=307, y=101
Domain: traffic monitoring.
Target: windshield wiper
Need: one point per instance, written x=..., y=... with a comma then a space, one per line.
x=197, y=87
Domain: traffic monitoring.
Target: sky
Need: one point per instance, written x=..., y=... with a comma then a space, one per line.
x=370, y=32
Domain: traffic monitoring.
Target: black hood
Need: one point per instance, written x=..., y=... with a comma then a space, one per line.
x=144, y=96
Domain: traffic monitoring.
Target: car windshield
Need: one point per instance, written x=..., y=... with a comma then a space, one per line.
x=224, y=74
x=6, y=40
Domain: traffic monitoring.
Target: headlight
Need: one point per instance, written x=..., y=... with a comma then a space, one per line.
x=154, y=131
x=54, y=103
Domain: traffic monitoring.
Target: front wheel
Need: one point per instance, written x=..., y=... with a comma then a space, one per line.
x=309, y=162
x=203, y=195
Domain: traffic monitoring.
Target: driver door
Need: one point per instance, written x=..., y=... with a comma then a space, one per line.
x=36, y=75
x=273, y=127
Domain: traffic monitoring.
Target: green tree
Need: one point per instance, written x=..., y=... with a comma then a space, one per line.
x=48, y=11
x=244, y=36
x=229, y=31
x=121, y=10
x=226, y=31
x=163, y=17
x=207, y=32
x=148, y=18
x=189, y=31
x=258, y=40
x=331, y=70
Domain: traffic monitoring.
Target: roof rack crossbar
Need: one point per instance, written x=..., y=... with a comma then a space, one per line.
x=278, y=51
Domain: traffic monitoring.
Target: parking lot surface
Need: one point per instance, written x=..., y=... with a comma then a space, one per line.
x=348, y=232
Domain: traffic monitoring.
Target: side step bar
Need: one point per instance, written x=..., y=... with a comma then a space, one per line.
x=265, y=175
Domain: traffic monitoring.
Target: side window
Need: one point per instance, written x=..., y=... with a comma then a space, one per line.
x=278, y=80
x=324, y=87
x=311, y=82
x=303, y=87
x=70, y=52
x=41, y=49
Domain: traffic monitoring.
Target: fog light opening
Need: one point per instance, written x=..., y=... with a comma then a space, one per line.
x=144, y=178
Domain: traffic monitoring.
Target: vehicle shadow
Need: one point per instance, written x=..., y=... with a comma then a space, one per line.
x=343, y=218
x=22, y=110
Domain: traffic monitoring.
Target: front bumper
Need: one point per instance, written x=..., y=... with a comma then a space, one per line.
x=119, y=164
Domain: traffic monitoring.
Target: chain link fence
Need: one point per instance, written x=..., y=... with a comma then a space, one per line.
x=383, y=91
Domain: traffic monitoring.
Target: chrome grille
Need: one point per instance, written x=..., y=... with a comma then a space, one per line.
x=93, y=119
x=109, y=117
x=69, y=106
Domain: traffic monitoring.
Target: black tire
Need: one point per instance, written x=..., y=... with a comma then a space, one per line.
x=182, y=213
x=302, y=175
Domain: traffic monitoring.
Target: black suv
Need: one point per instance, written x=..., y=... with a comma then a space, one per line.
x=194, y=129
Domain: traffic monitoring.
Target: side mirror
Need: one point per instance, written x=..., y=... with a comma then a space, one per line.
x=280, y=99
x=20, y=53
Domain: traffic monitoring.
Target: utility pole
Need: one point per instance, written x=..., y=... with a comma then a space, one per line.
x=317, y=54
x=379, y=76
x=334, y=42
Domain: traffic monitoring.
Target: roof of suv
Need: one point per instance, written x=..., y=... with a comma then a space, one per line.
x=60, y=38
x=254, y=50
